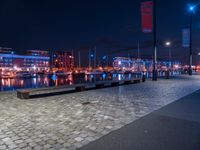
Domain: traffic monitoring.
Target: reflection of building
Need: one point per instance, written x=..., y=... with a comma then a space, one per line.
x=63, y=60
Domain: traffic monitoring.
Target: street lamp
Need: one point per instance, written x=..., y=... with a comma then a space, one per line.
x=168, y=44
x=154, y=73
x=191, y=9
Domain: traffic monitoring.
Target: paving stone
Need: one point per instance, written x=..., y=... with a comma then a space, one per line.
x=32, y=144
x=38, y=148
x=51, y=142
x=57, y=146
x=2, y=147
x=22, y=145
x=19, y=141
x=63, y=120
x=47, y=146
x=12, y=146
x=79, y=139
x=27, y=148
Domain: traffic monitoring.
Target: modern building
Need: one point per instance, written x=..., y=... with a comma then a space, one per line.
x=137, y=65
x=6, y=50
x=23, y=62
x=62, y=60
x=128, y=64
x=35, y=60
x=38, y=53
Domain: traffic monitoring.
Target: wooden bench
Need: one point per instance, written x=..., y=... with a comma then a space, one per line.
x=115, y=83
x=23, y=94
x=136, y=80
x=27, y=93
x=99, y=85
x=127, y=82
x=80, y=88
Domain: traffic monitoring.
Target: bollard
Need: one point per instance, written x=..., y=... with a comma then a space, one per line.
x=167, y=74
x=143, y=77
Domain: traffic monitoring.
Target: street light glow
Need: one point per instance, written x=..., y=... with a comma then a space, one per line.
x=168, y=43
x=191, y=8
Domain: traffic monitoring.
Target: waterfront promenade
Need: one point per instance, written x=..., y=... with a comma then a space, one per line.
x=72, y=121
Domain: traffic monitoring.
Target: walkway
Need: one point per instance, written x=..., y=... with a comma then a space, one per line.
x=73, y=120
x=174, y=127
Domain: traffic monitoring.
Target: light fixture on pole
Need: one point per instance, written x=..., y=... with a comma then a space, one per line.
x=191, y=9
x=154, y=73
x=168, y=44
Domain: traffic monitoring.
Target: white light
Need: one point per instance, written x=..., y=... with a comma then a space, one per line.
x=199, y=53
x=119, y=63
x=15, y=68
x=168, y=43
x=176, y=66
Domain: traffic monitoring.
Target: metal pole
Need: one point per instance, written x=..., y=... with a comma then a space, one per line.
x=95, y=56
x=89, y=59
x=79, y=59
x=51, y=59
x=138, y=49
x=190, y=57
x=170, y=56
x=154, y=43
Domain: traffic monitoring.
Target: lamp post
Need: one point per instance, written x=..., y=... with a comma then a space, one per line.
x=190, y=59
x=191, y=11
x=168, y=44
x=154, y=75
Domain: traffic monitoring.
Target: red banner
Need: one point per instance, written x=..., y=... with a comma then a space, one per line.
x=147, y=16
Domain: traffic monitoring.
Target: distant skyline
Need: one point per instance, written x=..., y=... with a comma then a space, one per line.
x=109, y=25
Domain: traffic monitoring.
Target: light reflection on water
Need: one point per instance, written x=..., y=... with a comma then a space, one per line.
x=53, y=80
x=48, y=81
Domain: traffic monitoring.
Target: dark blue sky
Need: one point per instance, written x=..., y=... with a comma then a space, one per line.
x=76, y=24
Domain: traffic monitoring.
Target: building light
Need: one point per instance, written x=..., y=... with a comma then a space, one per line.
x=34, y=67
x=15, y=67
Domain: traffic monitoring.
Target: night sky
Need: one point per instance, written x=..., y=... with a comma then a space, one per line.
x=112, y=26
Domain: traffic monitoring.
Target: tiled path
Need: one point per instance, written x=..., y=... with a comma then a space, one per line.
x=62, y=122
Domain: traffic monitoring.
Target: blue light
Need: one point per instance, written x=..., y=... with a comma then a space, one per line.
x=191, y=8
x=104, y=57
x=54, y=77
x=91, y=55
x=104, y=76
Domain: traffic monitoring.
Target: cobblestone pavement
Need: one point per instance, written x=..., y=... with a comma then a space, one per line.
x=63, y=122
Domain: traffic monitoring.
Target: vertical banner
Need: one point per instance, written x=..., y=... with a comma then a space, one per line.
x=147, y=16
x=186, y=37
